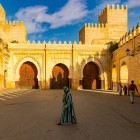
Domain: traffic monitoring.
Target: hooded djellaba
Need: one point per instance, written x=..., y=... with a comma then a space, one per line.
x=68, y=114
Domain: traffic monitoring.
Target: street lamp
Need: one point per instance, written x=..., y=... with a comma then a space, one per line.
x=127, y=51
x=130, y=53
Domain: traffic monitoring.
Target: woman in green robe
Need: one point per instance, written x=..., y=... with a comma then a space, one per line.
x=68, y=115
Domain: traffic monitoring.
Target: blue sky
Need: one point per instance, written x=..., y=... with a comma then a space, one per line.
x=51, y=20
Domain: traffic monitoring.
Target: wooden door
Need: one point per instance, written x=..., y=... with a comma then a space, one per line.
x=91, y=76
x=28, y=76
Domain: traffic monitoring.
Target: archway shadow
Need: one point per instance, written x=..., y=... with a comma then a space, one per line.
x=60, y=77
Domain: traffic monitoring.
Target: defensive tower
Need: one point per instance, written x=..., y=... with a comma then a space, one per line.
x=2, y=13
x=112, y=25
x=11, y=31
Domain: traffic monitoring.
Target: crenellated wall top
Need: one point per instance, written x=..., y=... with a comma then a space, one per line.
x=94, y=25
x=130, y=34
x=54, y=42
x=12, y=23
x=115, y=7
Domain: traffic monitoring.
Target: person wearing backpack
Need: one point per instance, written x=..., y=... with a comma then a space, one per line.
x=131, y=89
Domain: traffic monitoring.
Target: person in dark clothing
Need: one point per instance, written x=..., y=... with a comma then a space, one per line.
x=125, y=89
x=68, y=114
x=120, y=88
x=131, y=89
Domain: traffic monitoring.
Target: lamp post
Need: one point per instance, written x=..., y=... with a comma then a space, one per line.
x=130, y=53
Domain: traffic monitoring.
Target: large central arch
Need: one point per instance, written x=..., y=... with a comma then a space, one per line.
x=60, y=75
x=91, y=76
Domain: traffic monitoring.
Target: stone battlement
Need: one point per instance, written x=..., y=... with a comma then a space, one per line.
x=130, y=35
x=49, y=42
x=94, y=25
x=111, y=7
x=112, y=24
x=12, y=23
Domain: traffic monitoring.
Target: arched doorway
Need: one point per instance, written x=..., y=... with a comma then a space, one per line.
x=60, y=75
x=114, y=78
x=124, y=73
x=28, y=76
x=91, y=79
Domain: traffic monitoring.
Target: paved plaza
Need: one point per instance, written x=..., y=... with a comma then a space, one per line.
x=33, y=115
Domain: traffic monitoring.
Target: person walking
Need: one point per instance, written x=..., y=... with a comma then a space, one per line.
x=131, y=89
x=68, y=114
x=120, y=88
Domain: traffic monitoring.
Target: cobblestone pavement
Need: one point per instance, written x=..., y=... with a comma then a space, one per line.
x=33, y=115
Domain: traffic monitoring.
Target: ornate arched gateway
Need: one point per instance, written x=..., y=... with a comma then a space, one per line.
x=91, y=79
x=60, y=75
x=28, y=76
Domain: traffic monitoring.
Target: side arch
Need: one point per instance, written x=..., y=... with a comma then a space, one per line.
x=91, y=79
x=124, y=73
x=99, y=65
x=100, y=70
x=22, y=61
x=28, y=76
x=114, y=78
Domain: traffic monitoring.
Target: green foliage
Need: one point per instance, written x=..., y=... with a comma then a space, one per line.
x=113, y=46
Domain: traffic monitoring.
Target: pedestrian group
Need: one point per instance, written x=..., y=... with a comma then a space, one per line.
x=132, y=88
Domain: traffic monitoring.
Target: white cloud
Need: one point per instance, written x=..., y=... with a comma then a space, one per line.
x=133, y=3
x=28, y=15
x=35, y=16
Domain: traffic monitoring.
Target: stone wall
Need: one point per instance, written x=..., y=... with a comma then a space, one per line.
x=11, y=31
x=112, y=25
x=127, y=66
x=1, y=67
x=46, y=55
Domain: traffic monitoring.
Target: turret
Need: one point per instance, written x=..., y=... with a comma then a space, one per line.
x=111, y=26
x=2, y=13
x=112, y=14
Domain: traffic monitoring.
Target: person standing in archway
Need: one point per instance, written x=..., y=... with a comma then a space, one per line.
x=125, y=89
x=131, y=89
x=120, y=88
x=68, y=114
